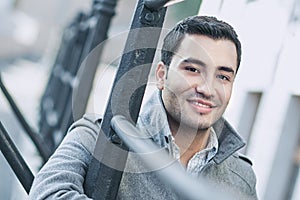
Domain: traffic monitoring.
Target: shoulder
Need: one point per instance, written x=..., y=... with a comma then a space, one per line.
x=235, y=174
x=244, y=158
x=239, y=162
x=238, y=174
x=84, y=131
x=241, y=165
x=89, y=120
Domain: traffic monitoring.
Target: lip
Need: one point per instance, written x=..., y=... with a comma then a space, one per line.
x=201, y=106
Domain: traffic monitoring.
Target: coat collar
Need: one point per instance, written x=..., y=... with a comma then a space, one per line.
x=229, y=140
x=153, y=119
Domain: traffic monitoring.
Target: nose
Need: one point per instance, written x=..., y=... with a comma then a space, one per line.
x=205, y=88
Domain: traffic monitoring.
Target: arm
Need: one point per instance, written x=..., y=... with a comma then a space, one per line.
x=63, y=175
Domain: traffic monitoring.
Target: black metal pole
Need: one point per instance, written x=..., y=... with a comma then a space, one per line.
x=41, y=146
x=155, y=4
x=68, y=99
x=106, y=169
x=103, y=11
x=64, y=104
x=84, y=74
x=15, y=159
x=50, y=109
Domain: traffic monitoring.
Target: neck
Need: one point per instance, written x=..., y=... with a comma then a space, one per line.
x=189, y=140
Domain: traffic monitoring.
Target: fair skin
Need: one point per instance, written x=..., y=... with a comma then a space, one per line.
x=196, y=89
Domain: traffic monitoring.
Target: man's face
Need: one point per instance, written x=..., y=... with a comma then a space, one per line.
x=197, y=86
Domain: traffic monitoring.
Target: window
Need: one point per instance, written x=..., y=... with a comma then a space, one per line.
x=294, y=192
x=248, y=115
x=284, y=176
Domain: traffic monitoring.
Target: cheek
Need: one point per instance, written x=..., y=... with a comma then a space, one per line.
x=177, y=83
x=173, y=82
x=224, y=92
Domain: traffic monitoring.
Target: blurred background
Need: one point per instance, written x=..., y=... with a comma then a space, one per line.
x=265, y=106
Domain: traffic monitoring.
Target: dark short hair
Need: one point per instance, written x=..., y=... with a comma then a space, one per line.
x=199, y=25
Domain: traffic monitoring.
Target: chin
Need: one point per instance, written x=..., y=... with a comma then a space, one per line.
x=198, y=122
x=204, y=126
x=199, y=125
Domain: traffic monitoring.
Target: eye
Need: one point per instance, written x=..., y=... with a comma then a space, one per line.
x=223, y=78
x=192, y=69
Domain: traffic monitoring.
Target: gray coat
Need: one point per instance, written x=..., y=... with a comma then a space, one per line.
x=63, y=176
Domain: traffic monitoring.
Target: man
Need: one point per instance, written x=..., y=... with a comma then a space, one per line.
x=200, y=59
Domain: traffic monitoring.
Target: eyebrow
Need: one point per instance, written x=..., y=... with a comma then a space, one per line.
x=194, y=61
x=226, y=69
x=201, y=63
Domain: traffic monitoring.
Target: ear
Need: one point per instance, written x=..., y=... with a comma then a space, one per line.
x=161, y=74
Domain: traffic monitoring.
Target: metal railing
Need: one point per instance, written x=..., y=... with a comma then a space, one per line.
x=36, y=138
x=15, y=159
x=79, y=39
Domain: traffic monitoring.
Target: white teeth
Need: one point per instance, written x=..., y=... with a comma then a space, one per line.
x=200, y=104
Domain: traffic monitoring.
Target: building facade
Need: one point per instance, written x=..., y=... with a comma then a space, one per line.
x=265, y=105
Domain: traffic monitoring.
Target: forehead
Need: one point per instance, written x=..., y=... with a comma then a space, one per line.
x=221, y=52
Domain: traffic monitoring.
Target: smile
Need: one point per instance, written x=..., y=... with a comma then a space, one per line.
x=201, y=106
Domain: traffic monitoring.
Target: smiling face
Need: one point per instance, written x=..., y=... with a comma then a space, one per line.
x=197, y=86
